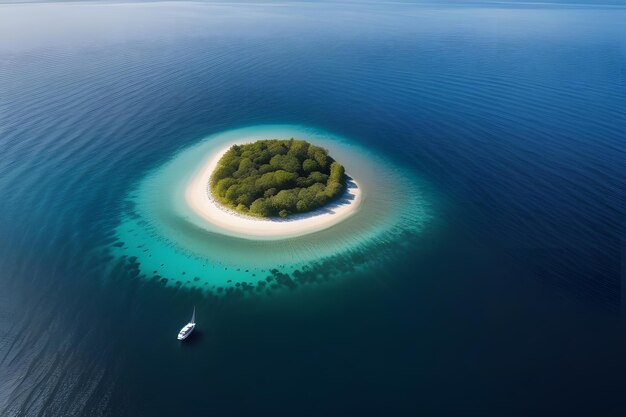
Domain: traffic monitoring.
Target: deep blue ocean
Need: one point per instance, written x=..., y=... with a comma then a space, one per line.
x=510, y=303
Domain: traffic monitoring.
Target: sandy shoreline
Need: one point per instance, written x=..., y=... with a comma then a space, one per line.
x=199, y=199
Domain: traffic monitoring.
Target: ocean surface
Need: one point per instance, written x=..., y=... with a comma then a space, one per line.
x=495, y=289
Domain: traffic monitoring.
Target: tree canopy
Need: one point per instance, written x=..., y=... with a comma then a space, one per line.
x=272, y=177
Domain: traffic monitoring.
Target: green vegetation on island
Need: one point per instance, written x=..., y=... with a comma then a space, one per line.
x=271, y=178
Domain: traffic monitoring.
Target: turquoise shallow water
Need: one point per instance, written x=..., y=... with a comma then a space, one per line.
x=493, y=288
x=174, y=246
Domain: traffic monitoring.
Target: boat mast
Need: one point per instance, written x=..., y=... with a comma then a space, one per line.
x=193, y=316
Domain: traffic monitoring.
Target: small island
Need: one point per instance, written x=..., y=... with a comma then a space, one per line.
x=277, y=178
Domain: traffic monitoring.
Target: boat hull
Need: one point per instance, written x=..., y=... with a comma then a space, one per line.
x=186, y=335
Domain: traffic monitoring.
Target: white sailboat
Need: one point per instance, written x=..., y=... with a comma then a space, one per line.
x=186, y=331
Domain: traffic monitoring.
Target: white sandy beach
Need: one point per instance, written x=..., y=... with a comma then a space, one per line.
x=199, y=199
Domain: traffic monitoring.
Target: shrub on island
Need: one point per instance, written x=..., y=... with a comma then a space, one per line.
x=270, y=178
